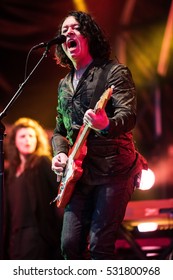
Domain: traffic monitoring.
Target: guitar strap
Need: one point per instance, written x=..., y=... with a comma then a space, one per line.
x=100, y=87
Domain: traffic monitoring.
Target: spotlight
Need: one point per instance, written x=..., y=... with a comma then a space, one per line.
x=146, y=227
x=145, y=180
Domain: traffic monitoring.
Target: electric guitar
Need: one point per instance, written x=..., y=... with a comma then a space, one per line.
x=73, y=170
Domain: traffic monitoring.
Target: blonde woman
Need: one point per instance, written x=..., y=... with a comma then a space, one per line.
x=32, y=228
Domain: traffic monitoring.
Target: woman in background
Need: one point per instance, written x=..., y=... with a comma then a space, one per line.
x=32, y=225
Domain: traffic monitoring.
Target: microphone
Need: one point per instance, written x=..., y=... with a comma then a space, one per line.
x=55, y=41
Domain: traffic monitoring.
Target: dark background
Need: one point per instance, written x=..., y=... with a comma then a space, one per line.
x=141, y=36
x=136, y=30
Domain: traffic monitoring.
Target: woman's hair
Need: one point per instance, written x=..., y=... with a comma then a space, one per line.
x=99, y=46
x=43, y=147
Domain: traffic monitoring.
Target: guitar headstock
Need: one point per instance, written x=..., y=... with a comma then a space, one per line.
x=101, y=103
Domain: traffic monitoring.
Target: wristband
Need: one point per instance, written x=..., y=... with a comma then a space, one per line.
x=105, y=130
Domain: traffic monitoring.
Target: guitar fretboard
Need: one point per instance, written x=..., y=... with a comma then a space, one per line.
x=82, y=137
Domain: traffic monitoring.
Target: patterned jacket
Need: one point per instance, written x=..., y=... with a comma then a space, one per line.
x=109, y=154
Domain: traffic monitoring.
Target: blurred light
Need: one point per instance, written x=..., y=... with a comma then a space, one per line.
x=150, y=248
x=147, y=179
x=80, y=5
x=151, y=255
x=145, y=227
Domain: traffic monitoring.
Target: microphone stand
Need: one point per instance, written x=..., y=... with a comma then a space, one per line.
x=2, y=134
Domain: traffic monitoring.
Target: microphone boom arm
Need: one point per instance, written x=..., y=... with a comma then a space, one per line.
x=21, y=86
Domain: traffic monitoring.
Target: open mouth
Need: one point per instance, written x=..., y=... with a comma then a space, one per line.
x=71, y=43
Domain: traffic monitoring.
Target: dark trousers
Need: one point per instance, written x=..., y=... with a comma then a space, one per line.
x=92, y=219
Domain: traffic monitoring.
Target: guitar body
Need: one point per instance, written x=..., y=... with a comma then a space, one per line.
x=73, y=173
x=73, y=170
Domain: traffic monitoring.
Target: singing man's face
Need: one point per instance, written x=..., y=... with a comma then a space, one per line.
x=76, y=45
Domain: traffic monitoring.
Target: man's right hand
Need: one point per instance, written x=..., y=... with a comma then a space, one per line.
x=58, y=164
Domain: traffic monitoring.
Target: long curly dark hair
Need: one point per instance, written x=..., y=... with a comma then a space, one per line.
x=99, y=46
x=42, y=149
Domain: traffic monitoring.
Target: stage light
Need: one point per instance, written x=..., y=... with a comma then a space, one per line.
x=147, y=179
x=147, y=227
x=80, y=5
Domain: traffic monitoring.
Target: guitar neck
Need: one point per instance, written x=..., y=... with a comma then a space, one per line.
x=83, y=133
x=85, y=129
